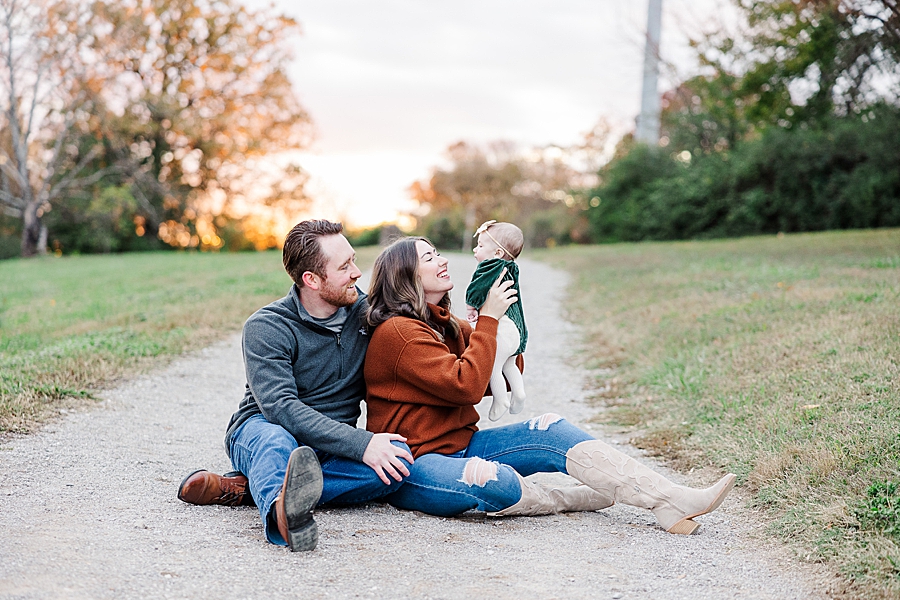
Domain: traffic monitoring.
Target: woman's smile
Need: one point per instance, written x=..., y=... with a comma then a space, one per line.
x=433, y=272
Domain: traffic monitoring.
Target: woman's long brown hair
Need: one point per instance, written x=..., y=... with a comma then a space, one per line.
x=396, y=290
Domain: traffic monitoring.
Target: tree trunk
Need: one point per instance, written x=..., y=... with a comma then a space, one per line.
x=31, y=231
x=469, y=227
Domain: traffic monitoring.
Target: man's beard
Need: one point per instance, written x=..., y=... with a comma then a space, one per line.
x=338, y=296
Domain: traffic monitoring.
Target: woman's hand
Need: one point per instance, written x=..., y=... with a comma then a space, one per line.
x=500, y=297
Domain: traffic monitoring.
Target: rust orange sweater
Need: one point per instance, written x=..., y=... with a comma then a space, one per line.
x=425, y=387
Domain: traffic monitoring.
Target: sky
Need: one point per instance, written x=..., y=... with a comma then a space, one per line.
x=389, y=85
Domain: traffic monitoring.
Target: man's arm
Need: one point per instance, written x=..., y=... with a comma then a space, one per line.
x=269, y=355
x=269, y=363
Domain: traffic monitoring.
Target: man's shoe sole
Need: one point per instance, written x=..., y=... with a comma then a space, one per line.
x=302, y=490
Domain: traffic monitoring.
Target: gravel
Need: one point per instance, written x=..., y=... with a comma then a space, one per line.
x=88, y=508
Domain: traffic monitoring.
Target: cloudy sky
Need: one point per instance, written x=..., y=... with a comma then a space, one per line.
x=390, y=84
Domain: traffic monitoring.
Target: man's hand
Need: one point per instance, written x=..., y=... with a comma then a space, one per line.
x=384, y=457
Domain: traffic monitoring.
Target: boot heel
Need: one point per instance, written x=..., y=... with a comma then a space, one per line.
x=304, y=538
x=684, y=527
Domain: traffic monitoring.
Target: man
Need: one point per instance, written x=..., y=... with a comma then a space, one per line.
x=294, y=434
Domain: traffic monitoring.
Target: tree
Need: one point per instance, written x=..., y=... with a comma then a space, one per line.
x=208, y=105
x=39, y=67
x=537, y=188
x=480, y=183
x=181, y=110
x=811, y=58
x=793, y=63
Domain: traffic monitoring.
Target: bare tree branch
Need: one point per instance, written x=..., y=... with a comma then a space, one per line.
x=10, y=200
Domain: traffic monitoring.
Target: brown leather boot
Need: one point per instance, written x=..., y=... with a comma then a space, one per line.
x=300, y=493
x=202, y=487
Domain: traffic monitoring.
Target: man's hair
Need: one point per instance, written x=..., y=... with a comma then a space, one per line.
x=303, y=251
x=396, y=290
x=509, y=237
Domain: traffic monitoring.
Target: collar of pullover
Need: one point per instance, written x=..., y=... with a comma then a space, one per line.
x=441, y=316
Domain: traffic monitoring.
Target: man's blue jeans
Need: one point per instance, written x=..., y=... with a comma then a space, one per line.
x=260, y=450
x=482, y=476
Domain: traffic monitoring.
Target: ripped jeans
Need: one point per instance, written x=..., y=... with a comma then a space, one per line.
x=483, y=476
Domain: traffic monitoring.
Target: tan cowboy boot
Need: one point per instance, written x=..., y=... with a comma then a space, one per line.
x=541, y=499
x=609, y=471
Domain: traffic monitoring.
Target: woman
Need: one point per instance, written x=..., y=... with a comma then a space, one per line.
x=425, y=372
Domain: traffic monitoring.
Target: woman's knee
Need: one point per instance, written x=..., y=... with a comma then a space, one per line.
x=446, y=486
x=544, y=421
x=479, y=472
x=498, y=483
x=556, y=428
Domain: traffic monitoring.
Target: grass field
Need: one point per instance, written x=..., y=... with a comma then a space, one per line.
x=776, y=358
x=71, y=325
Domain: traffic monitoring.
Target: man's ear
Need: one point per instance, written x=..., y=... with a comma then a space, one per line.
x=311, y=280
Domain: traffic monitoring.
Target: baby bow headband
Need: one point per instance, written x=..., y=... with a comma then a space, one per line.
x=483, y=228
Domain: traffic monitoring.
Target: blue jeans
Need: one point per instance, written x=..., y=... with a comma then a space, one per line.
x=482, y=477
x=260, y=450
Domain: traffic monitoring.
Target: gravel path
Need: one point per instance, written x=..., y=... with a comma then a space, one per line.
x=88, y=509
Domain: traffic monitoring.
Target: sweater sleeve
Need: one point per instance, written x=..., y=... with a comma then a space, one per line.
x=425, y=363
x=269, y=362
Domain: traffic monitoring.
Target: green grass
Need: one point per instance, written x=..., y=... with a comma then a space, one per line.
x=71, y=325
x=777, y=358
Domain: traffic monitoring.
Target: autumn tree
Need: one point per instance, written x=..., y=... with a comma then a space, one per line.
x=539, y=188
x=177, y=115
x=41, y=100
x=203, y=107
x=479, y=183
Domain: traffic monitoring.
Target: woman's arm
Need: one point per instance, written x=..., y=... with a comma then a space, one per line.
x=410, y=363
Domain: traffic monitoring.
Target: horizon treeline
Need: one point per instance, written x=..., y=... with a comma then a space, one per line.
x=138, y=126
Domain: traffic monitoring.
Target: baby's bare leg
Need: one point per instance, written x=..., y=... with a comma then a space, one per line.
x=507, y=344
x=516, y=384
x=498, y=390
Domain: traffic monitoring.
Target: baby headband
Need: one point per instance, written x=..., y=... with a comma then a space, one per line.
x=484, y=229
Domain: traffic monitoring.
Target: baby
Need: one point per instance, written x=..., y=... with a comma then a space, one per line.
x=499, y=244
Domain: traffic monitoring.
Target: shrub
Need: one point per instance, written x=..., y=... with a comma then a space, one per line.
x=842, y=175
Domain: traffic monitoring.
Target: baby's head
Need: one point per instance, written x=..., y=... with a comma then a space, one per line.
x=498, y=240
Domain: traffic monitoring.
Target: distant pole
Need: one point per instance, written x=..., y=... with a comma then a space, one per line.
x=648, y=121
